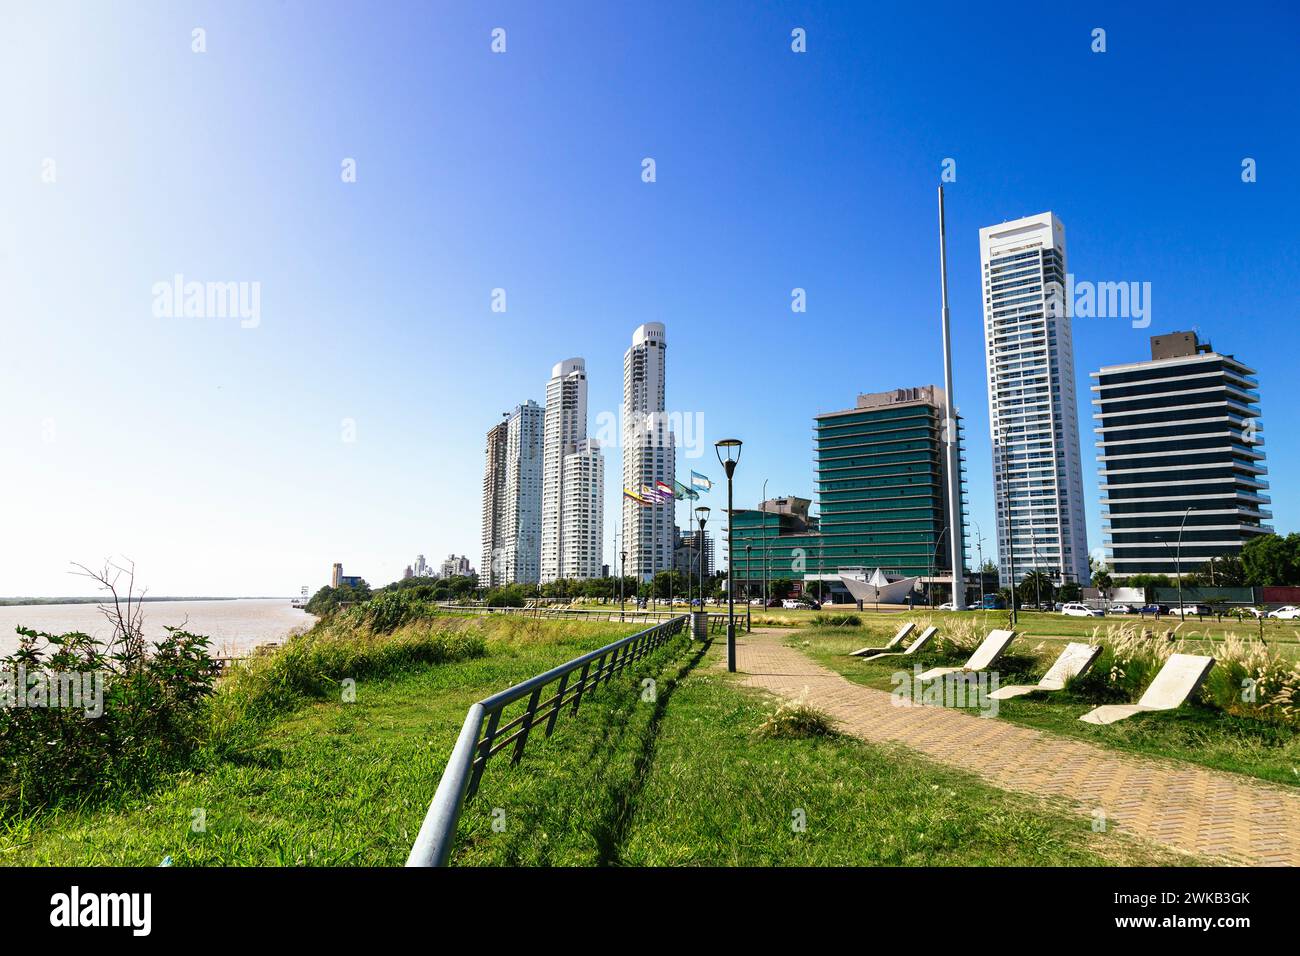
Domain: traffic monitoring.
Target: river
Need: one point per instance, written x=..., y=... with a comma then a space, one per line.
x=234, y=626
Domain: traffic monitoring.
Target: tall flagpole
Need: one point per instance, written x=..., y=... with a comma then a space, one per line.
x=956, y=534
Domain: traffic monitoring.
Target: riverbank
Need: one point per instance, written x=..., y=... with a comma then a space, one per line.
x=235, y=625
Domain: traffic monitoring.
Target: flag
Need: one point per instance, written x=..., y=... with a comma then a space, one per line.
x=653, y=496
x=628, y=493
x=680, y=491
x=700, y=481
x=666, y=490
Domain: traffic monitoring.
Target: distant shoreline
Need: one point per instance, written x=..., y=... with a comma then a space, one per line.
x=25, y=601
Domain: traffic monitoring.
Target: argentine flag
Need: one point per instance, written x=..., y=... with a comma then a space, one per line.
x=700, y=481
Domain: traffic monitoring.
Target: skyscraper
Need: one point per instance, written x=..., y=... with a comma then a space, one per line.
x=583, y=516
x=494, y=496
x=1033, y=415
x=522, y=538
x=572, y=478
x=564, y=426
x=1182, y=460
x=882, y=480
x=649, y=453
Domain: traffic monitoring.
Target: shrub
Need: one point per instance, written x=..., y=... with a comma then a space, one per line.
x=956, y=639
x=1130, y=659
x=386, y=612
x=1251, y=679
x=150, y=721
x=837, y=620
x=314, y=664
x=797, y=719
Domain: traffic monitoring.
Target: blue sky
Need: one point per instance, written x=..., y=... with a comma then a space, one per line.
x=213, y=455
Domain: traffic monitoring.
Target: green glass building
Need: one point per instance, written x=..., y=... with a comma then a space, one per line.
x=783, y=543
x=881, y=482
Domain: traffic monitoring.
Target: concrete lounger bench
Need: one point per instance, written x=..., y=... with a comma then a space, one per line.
x=985, y=656
x=894, y=641
x=1176, y=682
x=926, y=636
x=1075, y=660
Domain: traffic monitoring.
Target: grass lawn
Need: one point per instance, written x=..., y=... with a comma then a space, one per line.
x=719, y=794
x=1196, y=734
x=677, y=776
x=331, y=784
x=687, y=781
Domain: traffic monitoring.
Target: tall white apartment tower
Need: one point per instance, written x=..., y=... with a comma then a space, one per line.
x=564, y=432
x=1033, y=416
x=522, y=524
x=649, y=453
x=494, y=495
x=582, y=518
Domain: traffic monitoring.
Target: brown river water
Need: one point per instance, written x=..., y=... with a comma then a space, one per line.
x=234, y=626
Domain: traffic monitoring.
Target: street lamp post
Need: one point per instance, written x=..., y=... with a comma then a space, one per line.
x=763, y=516
x=702, y=516
x=622, y=578
x=934, y=560
x=1006, y=521
x=725, y=449
x=1178, y=562
x=748, y=588
x=690, y=573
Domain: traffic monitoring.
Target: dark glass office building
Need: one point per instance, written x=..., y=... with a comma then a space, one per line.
x=1180, y=445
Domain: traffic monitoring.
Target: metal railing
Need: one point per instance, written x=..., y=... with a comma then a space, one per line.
x=477, y=743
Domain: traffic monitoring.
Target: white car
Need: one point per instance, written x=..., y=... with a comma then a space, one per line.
x=1082, y=610
x=1288, y=613
x=791, y=605
x=947, y=606
x=1121, y=609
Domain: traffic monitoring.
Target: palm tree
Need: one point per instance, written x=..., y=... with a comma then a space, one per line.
x=1036, y=587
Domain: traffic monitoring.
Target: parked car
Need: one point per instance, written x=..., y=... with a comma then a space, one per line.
x=1121, y=609
x=1288, y=613
x=1081, y=610
x=1154, y=609
x=790, y=604
x=775, y=602
x=947, y=606
x=1198, y=610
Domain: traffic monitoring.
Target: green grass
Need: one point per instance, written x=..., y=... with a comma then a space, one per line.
x=678, y=777
x=719, y=793
x=332, y=783
x=1193, y=733
x=692, y=781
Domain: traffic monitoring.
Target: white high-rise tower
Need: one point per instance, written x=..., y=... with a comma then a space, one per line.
x=521, y=549
x=1033, y=416
x=649, y=453
x=572, y=478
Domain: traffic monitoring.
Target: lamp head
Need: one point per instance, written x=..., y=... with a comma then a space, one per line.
x=728, y=451
x=702, y=514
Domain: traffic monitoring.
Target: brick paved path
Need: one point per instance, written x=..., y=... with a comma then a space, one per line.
x=1188, y=808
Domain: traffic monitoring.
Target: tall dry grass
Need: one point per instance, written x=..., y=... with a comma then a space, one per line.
x=1249, y=678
